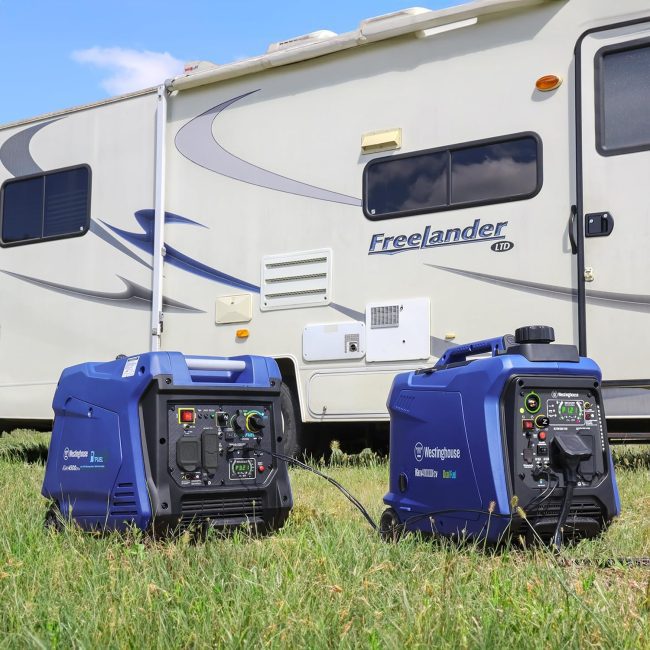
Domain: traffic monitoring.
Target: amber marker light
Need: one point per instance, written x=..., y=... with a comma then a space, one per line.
x=548, y=82
x=242, y=334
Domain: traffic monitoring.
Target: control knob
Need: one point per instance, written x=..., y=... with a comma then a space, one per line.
x=254, y=422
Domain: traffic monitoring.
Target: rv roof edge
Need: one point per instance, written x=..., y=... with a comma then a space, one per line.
x=83, y=107
x=370, y=30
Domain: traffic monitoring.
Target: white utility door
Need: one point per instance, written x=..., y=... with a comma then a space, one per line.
x=615, y=125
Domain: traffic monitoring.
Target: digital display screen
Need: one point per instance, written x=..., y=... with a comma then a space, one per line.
x=242, y=468
x=562, y=411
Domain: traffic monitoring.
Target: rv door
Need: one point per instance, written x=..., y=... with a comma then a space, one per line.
x=614, y=122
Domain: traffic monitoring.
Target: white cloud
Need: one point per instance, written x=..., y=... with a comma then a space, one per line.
x=130, y=70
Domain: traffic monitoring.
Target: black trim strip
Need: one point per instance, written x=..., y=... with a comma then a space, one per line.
x=580, y=258
x=626, y=383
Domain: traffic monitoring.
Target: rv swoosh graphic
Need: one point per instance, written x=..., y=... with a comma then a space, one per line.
x=14, y=152
x=197, y=143
x=106, y=236
x=627, y=301
x=134, y=296
x=173, y=257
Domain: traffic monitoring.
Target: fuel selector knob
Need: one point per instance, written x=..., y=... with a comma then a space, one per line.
x=541, y=421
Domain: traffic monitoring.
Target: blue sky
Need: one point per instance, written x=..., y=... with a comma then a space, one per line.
x=62, y=53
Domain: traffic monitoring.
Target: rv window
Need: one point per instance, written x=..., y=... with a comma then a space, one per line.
x=48, y=206
x=622, y=98
x=494, y=172
x=490, y=171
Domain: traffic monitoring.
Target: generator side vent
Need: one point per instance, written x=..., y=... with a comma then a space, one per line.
x=198, y=507
x=296, y=280
x=384, y=316
x=580, y=508
x=403, y=403
x=123, y=500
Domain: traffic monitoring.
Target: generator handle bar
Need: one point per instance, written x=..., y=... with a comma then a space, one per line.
x=201, y=363
x=460, y=353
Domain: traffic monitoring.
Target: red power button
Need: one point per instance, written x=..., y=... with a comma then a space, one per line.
x=186, y=416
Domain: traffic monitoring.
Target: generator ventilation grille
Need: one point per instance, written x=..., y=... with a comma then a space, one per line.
x=123, y=500
x=296, y=280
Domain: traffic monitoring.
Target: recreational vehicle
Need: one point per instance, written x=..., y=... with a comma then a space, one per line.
x=350, y=204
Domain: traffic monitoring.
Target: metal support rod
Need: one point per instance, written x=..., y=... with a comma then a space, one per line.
x=159, y=222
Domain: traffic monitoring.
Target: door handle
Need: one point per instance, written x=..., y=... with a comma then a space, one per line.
x=573, y=220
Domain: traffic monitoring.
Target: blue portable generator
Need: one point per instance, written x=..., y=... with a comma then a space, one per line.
x=163, y=441
x=510, y=444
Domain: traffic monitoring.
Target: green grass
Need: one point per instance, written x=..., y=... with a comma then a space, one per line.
x=325, y=580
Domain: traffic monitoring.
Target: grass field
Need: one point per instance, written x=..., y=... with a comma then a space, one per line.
x=325, y=580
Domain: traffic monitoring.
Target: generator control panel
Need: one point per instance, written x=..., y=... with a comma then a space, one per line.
x=220, y=444
x=539, y=408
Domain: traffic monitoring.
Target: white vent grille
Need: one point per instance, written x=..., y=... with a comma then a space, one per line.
x=384, y=316
x=296, y=280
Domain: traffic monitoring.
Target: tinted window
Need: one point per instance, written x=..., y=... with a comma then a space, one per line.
x=622, y=99
x=486, y=172
x=495, y=171
x=413, y=183
x=55, y=204
x=66, y=202
x=22, y=203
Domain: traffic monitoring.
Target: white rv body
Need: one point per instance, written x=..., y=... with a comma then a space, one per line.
x=259, y=167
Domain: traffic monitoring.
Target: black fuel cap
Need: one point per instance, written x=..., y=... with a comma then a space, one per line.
x=535, y=334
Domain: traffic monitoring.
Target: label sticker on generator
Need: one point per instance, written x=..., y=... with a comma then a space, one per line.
x=130, y=366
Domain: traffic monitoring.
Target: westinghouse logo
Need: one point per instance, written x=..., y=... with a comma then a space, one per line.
x=383, y=244
x=74, y=453
x=439, y=453
x=556, y=393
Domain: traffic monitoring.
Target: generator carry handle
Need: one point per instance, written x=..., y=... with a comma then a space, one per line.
x=206, y=363
x=460, y=353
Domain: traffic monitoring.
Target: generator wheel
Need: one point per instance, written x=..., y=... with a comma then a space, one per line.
x=291, y=422
x=53, y=518
x=391, y=528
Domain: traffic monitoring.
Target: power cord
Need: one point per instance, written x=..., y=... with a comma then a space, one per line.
x=389, y=532
x=352, y=499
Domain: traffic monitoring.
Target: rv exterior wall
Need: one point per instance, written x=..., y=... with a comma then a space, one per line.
x=267, y=167
x=73, y=300
x=304, y=122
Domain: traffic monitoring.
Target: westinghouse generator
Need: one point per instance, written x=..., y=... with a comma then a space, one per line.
x=469, y=435
x=163, y=441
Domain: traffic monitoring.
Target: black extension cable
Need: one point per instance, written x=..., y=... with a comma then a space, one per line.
x=606, y=563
